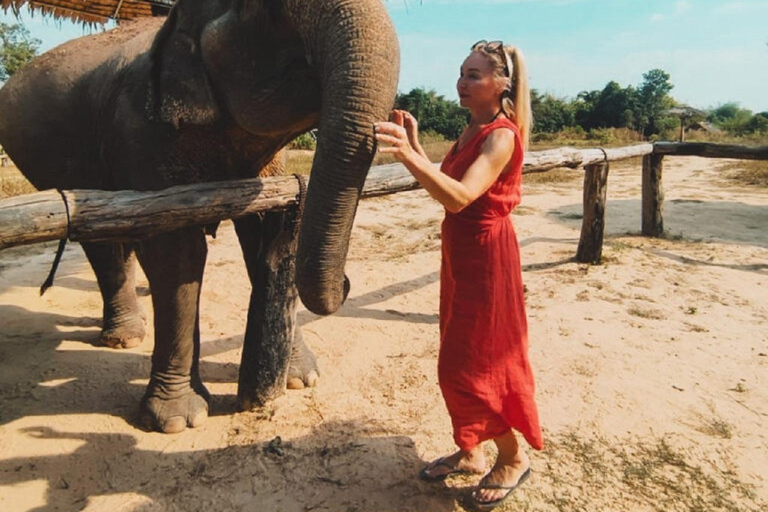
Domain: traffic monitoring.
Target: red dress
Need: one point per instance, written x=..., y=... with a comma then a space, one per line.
x=483, y=367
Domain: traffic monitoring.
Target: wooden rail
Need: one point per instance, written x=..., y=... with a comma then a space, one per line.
x=653, y=168
x=708, y=150
x=90, y=215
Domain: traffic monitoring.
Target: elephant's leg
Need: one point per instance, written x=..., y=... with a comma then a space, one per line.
x=273, y=348
x=174, y=263
x=302, y=371
x=123, y=324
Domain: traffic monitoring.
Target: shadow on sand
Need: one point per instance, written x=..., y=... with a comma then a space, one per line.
x=691, y=220
x=339, y=466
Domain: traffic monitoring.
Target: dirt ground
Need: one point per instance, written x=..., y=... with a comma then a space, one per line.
x=652, y=371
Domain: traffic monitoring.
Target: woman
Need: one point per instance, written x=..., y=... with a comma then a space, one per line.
x=483, y=366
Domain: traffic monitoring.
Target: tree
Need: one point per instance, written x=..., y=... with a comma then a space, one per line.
x=17, y=47
x=550, y=114
x=434, y=112
x=734, y=119
x=654, y=100
x=759, y=123
x=584, y=107
x=613, y=107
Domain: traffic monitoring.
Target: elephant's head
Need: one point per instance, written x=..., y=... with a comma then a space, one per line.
x=279, y=68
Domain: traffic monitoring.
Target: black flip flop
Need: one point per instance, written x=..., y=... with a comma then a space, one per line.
x=490, y=505
x=439, y=478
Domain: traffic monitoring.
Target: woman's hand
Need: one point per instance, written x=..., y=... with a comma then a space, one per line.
x=410, y=124
x=402, y=133
x=395, y=136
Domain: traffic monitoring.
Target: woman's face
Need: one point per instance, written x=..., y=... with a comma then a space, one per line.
x=478, y=86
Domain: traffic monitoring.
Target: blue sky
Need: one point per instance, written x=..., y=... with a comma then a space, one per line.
x=716, y=51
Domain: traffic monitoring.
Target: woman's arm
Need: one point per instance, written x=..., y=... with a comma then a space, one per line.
x=453, y=194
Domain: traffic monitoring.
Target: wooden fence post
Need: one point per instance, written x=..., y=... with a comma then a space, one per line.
x=653, y=196
x=593, y=222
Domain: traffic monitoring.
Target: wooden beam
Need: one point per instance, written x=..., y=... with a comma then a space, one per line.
x=653, y=196
x=708, y=150
x=540, y=161
x=590, y=248
x=32, y=218
x=128, y=215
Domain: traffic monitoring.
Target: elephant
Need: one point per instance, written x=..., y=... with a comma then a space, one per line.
x=213, y=92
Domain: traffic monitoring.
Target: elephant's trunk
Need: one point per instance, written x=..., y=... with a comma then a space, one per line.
x=354, y=47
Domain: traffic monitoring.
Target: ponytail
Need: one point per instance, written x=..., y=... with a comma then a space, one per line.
x=516, y=101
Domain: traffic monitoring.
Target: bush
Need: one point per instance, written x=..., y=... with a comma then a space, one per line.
x=304, y=141
x=601, y=135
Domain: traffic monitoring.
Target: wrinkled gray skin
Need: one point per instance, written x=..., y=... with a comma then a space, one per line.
x=212, y=93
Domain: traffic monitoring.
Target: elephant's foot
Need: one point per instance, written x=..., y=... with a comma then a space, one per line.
x=125, y=333
x=172, y=415
x=302, y=371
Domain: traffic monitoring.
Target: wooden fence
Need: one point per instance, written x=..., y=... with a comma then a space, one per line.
x=91, y=215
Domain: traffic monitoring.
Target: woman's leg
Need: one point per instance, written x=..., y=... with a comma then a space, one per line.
x=510, y=466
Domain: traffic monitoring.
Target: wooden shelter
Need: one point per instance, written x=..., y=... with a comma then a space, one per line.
x=92, y=11
x=687, y=115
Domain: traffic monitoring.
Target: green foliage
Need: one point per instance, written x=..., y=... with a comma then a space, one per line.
x=641, y=108
x=759, y=123
x=738, y=121
x=17, y=48
x=600, y=135
x=654, y=99
x=610, y=115
x=724, y=113
x=434, y=112
x=551, y=114
x=304, y=141
x=613, y=107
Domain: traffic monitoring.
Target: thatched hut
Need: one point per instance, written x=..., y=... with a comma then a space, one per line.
x=92, y=11
x=687, y=115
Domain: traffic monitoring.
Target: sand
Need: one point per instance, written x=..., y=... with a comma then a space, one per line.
x=652, y=370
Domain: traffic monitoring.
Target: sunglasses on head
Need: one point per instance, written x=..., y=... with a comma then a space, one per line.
x=495, y=47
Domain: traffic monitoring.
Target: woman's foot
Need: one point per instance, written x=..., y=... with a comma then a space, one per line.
x=456, y=463
x=503, y=478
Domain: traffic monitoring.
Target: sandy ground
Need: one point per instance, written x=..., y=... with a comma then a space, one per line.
x=652, y=371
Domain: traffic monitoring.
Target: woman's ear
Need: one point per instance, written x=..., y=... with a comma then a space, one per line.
x=179, y=89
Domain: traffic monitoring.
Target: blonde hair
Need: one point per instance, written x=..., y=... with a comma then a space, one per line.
x=516, y=98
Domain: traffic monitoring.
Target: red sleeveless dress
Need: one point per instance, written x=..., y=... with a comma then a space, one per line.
x=483, y=367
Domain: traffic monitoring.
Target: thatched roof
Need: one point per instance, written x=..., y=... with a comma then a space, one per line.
x=685, y=111
x=92, y=11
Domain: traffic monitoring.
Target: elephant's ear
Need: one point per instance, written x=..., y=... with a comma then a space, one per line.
x=179, y=89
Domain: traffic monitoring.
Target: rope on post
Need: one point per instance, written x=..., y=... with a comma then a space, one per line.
x=605, y=154
x=300, y=200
